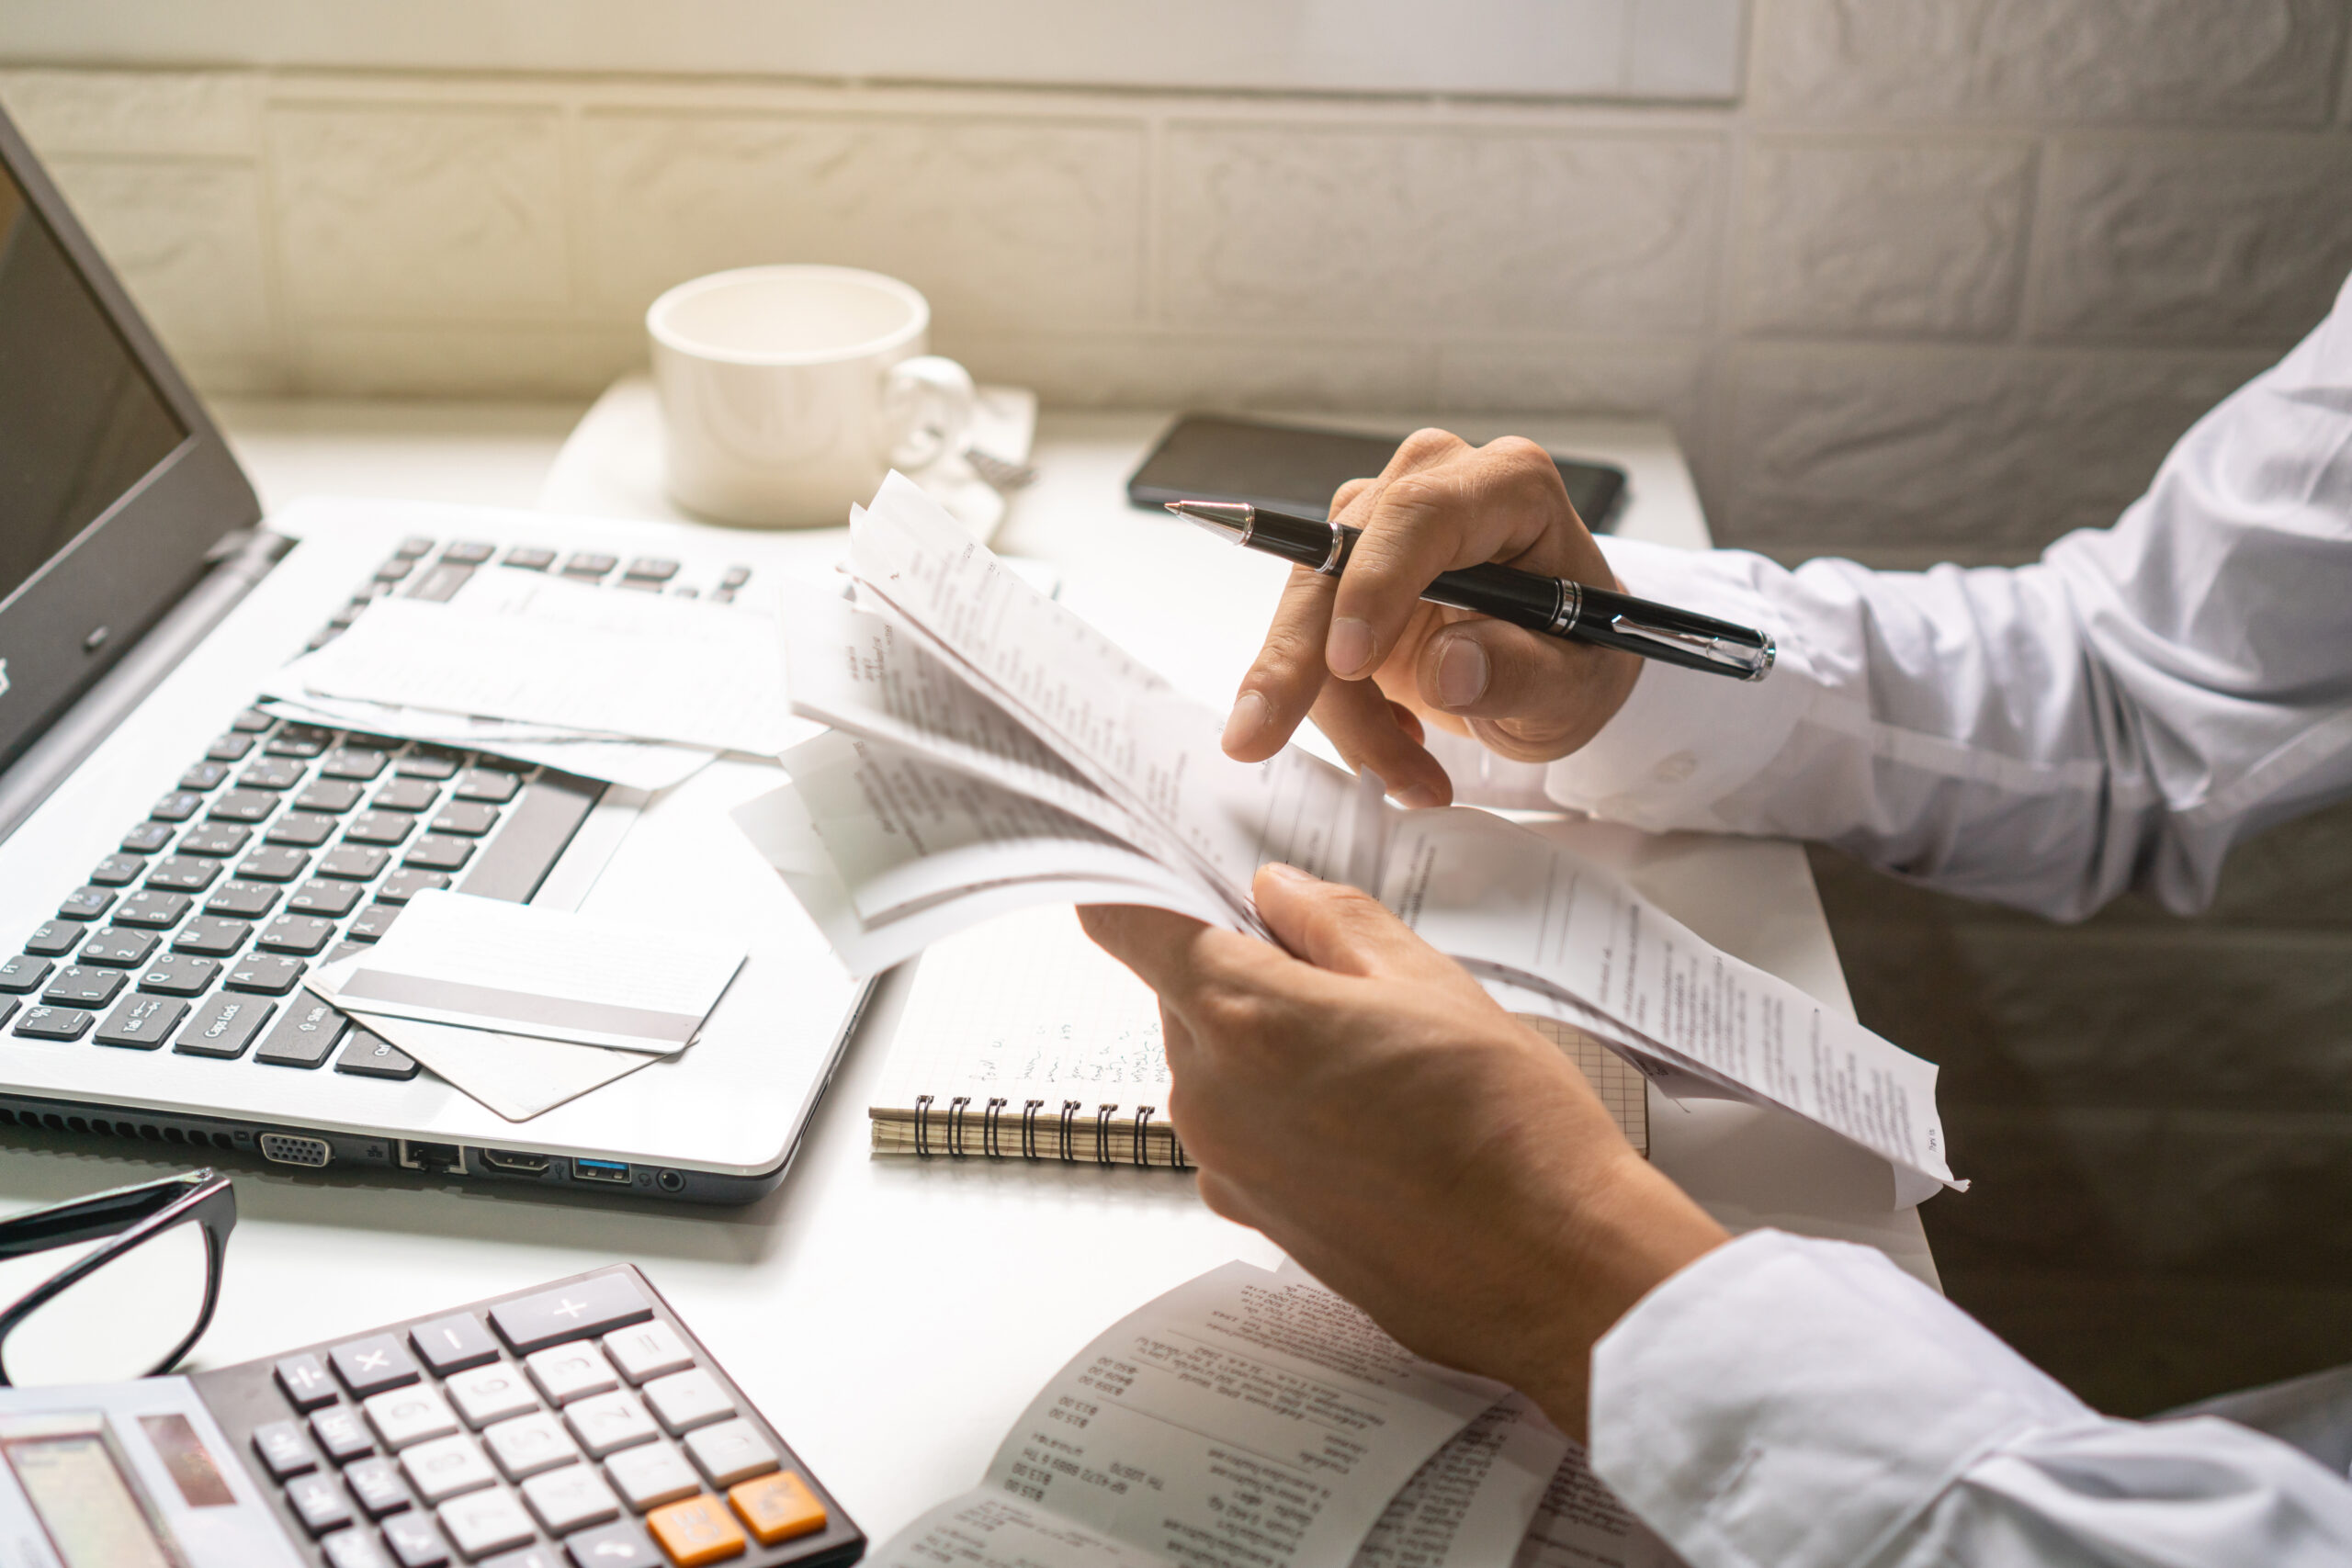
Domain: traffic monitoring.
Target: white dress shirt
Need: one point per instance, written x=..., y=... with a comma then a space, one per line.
x=2117, y=715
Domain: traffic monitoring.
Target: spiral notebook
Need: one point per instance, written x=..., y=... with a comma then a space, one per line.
x=1023, y=1040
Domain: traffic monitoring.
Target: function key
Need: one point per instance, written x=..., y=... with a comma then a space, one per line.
x=305, y=1382
x=688, y=1399
x=375, y=1485
x=736, y=577
x=147, y=837
x=333, y=899
x=268, y=973
x=55, y=1023
x=353, y=763
x=529, y=557
x=777, y=1509
x=230, y=748
x=176, y=807
x=224, y=1026
x=352, y=863
x=403, y=885
x=414, y=1542
x=143, y=1024
x=273, y=863
x=238, y=900
x=575, y=1311
x=271, y=773
x=341, y=1434
x=648, y=1350
x=652, y=568
x=85, y=904
x=212, y=937
x=439, y=852
x=215, y=839
x=495, y=784
x=696, y=1531
x=374, y=1364
x=491, y=1393
x=119, y=947
x=454, y=1343
x=252, y=721
x=731, y=1452
x=160, y=911
x=24, y=972
x=373, y=922
x=466, y=818
x=79, y=987
x=304, y=1037
x=588, y=564
x=426, y=762
x=204, y=776
x=116, y=871
x=285, y=1451
x=369, y=1056
x=184, y=874
x=179, y=974
x=469, y=552
x=620, y=1545
x=566, y=1372
x=52, y=938
x=242, y=806
x=318, y=1502
x=395, y=569
x=300, y=740
x=415, y=547
x=328, y=794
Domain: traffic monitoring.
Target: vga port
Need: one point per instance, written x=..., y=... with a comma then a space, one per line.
x=287, y=1149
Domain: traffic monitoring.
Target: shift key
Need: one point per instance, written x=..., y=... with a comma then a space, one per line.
x=571, y=1312
x=304, y=1037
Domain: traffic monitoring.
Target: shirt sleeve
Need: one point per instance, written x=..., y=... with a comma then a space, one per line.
x=1797, y=1402
x=2117, y=713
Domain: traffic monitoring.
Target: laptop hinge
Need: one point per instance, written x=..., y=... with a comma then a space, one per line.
x=238, y=561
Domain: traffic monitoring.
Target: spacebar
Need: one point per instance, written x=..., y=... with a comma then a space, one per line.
x=538, y=827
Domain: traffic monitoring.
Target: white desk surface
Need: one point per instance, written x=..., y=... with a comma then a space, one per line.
x=893, y=1316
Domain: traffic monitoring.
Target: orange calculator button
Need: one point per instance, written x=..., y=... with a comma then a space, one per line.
x=778, y=1506
x=696, y=1531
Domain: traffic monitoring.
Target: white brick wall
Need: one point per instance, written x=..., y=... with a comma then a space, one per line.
x=1947, y=283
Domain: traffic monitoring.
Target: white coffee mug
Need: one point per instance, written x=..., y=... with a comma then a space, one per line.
x=787, y=392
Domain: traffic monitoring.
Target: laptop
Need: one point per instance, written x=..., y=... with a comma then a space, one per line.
x=172, y=858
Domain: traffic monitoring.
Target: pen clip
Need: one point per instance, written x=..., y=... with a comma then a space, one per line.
x=1732, y=659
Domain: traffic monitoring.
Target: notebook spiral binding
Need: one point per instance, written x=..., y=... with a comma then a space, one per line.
x=954, y=1138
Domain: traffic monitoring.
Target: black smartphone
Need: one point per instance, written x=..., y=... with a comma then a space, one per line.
x=1293, y=468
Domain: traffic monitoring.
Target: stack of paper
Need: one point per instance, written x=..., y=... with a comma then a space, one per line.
x=991, y=750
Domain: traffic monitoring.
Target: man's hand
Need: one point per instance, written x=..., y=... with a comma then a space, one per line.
x=1365, y=655
x=1416, y=1148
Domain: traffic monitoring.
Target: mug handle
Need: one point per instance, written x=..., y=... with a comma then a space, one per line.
x=928, y=400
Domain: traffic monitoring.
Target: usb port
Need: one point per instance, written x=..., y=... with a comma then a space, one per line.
x=515, y=1162
x=599, y=1170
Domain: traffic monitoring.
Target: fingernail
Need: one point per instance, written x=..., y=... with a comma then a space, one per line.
x=1417, y=797
x=1248, y=718
x=1348, y=651
x=1460, y=672
x=1284, y=872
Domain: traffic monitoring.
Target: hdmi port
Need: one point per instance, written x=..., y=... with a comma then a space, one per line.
x=515, y=1162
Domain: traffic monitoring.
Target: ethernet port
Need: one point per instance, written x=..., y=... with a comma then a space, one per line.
x=434, y=1159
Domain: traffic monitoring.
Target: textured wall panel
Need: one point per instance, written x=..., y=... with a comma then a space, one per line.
x=1193, y=371
x=186, y=113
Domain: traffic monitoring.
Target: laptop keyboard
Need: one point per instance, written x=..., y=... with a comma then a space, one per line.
x=288, y=844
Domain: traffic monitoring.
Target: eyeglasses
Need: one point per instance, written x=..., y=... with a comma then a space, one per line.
x=130, y=1305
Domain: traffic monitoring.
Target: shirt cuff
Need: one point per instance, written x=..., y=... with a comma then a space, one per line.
x=1685, y=738
x=1790, y=1401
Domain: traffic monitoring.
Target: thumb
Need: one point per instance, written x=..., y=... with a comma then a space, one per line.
x=1331, y=925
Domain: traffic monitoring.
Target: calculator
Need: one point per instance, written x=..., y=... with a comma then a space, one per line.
x=577, y=1425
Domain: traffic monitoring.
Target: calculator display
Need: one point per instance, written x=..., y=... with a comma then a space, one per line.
x=87, y=1503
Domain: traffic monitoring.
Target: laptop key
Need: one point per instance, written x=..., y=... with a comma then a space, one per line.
x=405, y=885
x=427, y=762
x=652, y=568
x=372, y=922
x=328, y=794
x=361, y=762
x=469, y=552
x=84, y=904
x=304, y=1037
x=208, y=936
x=394, y=569
x=158, y=911
x=224, y=1026
x=116, y=870
x=217, y=839
x=439, y=852
x=369, y=1056
x=589, y=564
x=267, y=973
x=240, y=806
x=307, y=829
x=143, y=1024
x=305, y=934
x=529, y=557
x=184, y=874
x=55, y=1023
x=414, y=546
x=24, y=972
x=230, y=748
x=119, y=947
x=252, y=721
x=273, y=863
x=204, y=776
x=466, y=818
x=441, y=581
x=176, y=807
x=179, y=974
x=378, y=827
x=52, y=938
x=495, y=784
x=83, y=985
x=353, y=863
x=147, y=837
x=333, y=899
x=736, y=577
x=300, y=740
x=241, y=901
x=272, y=773
x=406, y=794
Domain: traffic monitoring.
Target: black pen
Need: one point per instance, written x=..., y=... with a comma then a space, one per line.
x=1552, y=605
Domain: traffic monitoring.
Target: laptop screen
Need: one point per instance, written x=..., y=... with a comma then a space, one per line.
x=80, y=423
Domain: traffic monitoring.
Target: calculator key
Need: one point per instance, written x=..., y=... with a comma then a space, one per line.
x=375, y=1485
x=210, y=936
x=378, y=827
x=24, y=972
x=230, y=748
x=651, y=1474
x=352, y=863
x=342, y=1435
x=588, y=563
x=55, y=1023
x=414, y=1542
x=688, y=1399
x=406, y=794
x=299, y=741
x=486, y=1522
x=272, y=773
x=328, y=794
x=493, y=784
x=147, y=837
x=303, y=1379
x=362, y=762
x=648, y=1350
x=777, y=1509
x=269, y=974
x=621, y=1545
x=529, y=557
x=607, y=1423
x=651, y=569
x=116, y=870
x=730, y=1451
x=405, y=885
x=437, y=852
x=369, y=1056
x=373, y=922
x=331, y=899
x=426, y=762
x=570, y=1498
x=179, y=974
x=304, y=830
x=566, y=1372
x=304, y=1037
x=353, y=1548
x=216, y=839
x=529, y=1444
x=305, y=934
x=183, y=873
x=466, y=818
x=285, y=1451
x=696, y=1531
x=572, y=1311
x=318, y=1503
x=224, y=1026
x=78, y=986
x=84, y=904
x=116, y=947
x=452, y=1344
x=52, y=938
x=446, y=1467
x=143, y=1024
x=528, y=1557
x=402, y=1416
x=374, y=1364
x=273, y=863
x=487, y=1394
x=161, y=910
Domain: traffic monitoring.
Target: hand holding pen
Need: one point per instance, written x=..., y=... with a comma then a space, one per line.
x=1372, y=660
